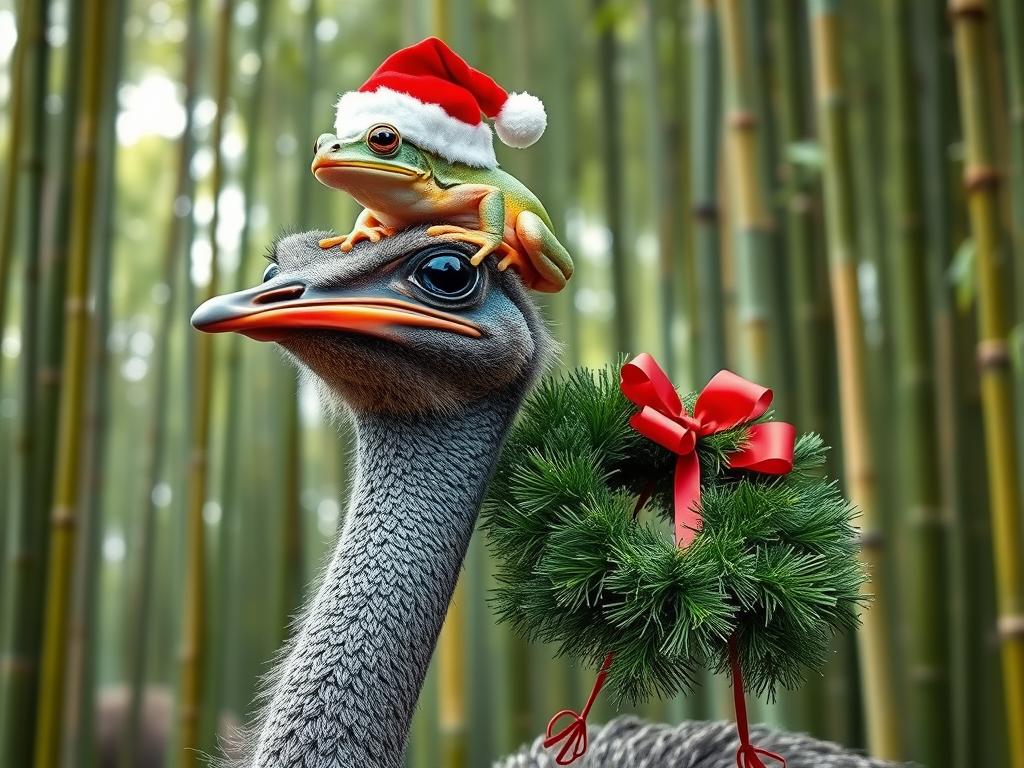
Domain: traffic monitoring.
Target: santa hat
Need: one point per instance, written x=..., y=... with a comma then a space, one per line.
x=435, y=100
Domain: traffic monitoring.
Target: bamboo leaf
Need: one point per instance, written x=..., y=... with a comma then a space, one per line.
x=806, y=154
x=960, y=275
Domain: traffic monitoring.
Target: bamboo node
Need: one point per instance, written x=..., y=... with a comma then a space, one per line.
x=870, y=540
x=707, y=212
x=62, y=516
x=965, y=9
x=16, y=664
x=801, y=203
x=926, y=673
x=925, y=516
x=993, y=353
x=74, y=305
x=979, y=177
x=1011, y=627
x=48, y=376
x=742, y=120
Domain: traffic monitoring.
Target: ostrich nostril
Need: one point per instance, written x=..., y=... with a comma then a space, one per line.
x=283, y=293
x=336, y=147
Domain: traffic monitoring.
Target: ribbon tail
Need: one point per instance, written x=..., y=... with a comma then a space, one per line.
x=687, y=499
x=768, y=450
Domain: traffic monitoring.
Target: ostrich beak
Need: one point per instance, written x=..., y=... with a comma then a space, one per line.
x=270, y=314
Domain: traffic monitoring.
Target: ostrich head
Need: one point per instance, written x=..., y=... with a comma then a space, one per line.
x=406, y=325
x=431, y=356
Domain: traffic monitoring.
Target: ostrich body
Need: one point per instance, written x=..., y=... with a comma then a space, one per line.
x=431, y=357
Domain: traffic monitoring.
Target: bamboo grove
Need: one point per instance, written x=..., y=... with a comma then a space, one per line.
x=824, y=196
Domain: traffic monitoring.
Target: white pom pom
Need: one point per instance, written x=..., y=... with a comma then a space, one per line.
x=521, y=121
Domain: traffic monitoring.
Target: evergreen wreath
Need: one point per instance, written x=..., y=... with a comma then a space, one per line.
x=575, y=518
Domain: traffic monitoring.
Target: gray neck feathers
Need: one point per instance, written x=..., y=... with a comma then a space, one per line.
x=347, y=687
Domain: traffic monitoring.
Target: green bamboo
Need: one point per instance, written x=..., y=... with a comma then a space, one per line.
x=923, y=525
x=194, y=629
x=173, y=263
x=705, y=117
x=28, y=10
x=960, y=440
x=752, y=242
x=54, y=259
x=83, y=658
x=18, y=667
x=558, y=151
x=1011, y=26
x=231, y=523
x=659, y=176
x=981, y=180
x=67, y=498
x=880, y=689
x=808, y=321
x=606, y=15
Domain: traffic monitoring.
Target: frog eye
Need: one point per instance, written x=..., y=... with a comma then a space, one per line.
x=383, y=139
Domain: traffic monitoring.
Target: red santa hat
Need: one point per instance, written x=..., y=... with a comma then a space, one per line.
x=435, y=100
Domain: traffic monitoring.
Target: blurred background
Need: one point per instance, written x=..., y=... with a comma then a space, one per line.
x=826, y=197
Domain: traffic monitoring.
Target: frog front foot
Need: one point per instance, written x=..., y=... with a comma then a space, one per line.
x=374, y=233
x=485, y=242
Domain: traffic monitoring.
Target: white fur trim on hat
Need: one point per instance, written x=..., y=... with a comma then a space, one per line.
x=521, y=121
x=425, y=125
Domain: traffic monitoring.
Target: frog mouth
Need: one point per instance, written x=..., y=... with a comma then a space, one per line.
x=325, y=168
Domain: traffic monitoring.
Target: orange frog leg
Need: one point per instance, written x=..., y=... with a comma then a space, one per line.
x=489, y=237
x=367, y=227
x=550, y=265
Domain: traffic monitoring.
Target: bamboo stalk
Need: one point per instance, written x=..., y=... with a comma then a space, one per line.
x=82, y=657
x=557, y=152
x=658, y=175
x=194, y=629
x=67, y=498
x=54, y=265
x=26, y=563
x=880, y=695
x=605, y=16
x=705, y=116
x=224, y=662
x=1011, y=25
x=27, y=11
x=752, y=242
x=172, y=265
x=960, y=441
x=809, y=321
x=919, y=497
x=981, y=180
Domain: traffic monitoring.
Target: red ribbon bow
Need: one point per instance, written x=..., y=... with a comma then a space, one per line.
x=726, y=402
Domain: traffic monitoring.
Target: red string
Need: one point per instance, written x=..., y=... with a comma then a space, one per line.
x=747, y=756
x=575, y=734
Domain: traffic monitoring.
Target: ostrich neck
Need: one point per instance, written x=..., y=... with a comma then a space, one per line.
x=347, y=688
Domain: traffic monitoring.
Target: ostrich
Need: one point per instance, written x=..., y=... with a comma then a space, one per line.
x=431, y=358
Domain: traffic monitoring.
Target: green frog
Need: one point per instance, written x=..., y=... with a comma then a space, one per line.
x=400, y=185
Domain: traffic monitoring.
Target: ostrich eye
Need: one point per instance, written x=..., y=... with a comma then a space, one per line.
x=383, y=139
x=447, y=275
x=271, y=272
